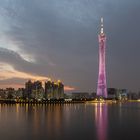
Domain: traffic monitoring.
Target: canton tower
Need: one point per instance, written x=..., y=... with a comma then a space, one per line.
x=101, y=87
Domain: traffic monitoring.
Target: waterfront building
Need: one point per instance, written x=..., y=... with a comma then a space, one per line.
x=122, y=94
x=80, y=95
x=54, y=90
x=49, y=89
x=60, y=89
x=28, y=89
x=93, y=95
x=11, y=93
x=112, y=93
x=133, y=96
x=101, y=85
x=3, y=95
x=34, y=90
x=20, y=93
x=119, y=94
x=37, y=91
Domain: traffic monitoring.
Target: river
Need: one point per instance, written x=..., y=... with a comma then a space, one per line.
x=91, y=121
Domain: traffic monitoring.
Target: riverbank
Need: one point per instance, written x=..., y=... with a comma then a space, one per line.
x=41, y=102
x=14, y=101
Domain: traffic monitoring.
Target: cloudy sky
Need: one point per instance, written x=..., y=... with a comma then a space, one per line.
x=58, y=39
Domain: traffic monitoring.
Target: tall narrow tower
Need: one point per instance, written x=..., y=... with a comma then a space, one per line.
x=101, y=87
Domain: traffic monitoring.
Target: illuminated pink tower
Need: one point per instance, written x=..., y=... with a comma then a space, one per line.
x=102, y=87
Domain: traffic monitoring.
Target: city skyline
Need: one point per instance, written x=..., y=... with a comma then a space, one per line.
x=58, y=40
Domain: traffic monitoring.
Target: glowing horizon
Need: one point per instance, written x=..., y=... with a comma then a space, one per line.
x=8, y=72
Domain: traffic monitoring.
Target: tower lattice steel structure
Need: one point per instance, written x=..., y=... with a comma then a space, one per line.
x=102, y=87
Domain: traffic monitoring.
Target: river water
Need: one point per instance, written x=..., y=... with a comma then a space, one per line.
x=97, y=121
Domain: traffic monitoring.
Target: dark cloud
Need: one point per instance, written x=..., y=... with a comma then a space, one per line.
x=18, y=63
x=62, y=38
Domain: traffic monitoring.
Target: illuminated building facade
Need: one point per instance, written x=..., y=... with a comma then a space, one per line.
x=34, y=90
x=60, y=89
x=80, y=95
x=37, y=91
x=54, y=90
x=48, y=89
x=102, y=87
x=119, y=94
x=28, y=89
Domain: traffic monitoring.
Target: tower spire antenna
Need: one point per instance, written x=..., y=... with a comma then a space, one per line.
x=102, y=25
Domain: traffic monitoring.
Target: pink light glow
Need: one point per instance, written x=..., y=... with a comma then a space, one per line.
x=102, y=87
x=101, y=120
x=67, y=88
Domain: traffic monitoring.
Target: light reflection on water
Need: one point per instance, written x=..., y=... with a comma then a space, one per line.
x=101, y=120
x=98, y=121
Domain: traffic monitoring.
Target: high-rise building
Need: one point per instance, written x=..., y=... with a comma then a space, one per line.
x=112, y=93
x=37, y=91
x=49, y=89
x=10, y=93
x=102, y=87
x=28, y=89
x=60, y=89
x=20, y=93
x=34, y=90
x=54, y=90
x=119, y=94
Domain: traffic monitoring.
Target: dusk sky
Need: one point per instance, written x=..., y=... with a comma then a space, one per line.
x=58, y=39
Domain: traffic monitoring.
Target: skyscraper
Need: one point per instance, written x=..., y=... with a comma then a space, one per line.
x=49, y=89
x=54, y=90
x=102, y=87
x=60, y=89
x=37, y=91
x=28, y=89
